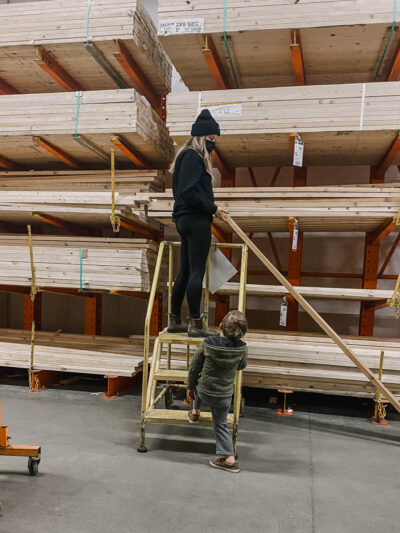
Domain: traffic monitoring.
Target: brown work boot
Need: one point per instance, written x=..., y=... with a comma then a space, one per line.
x=223, y=465
x=193, y=419
x=197, y=328
x=176, y=324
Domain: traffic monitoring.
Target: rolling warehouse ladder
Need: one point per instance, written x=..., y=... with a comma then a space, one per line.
x=161, y=371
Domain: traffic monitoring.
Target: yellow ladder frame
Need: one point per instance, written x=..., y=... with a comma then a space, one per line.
x=149, y=393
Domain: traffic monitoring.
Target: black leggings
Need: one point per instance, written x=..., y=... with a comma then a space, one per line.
x=195, y=232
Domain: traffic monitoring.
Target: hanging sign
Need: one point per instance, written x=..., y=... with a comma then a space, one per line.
x=295, y=238
x=283, y=313
x=298, y=152
x=176, y=26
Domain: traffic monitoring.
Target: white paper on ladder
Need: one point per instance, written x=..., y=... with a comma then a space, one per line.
x=221, y=270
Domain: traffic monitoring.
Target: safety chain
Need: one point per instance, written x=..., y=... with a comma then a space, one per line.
x=381, y=409
x=394, y=301
x=34, y=288
x=33, y=380
x=115, y=220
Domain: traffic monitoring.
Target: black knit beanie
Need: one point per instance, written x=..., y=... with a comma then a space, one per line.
x=205, y=125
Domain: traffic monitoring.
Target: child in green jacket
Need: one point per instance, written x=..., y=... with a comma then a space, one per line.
x=211, y=381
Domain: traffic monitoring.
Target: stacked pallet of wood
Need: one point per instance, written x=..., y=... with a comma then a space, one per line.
x=341, y=42
x=72, y=353
x=352, y=124
x=63, y=27
x=126, y=181
x=330, y=293
x=60, y=194
x=313, y=363
x=87, y=263
x=95, y=116
x=329, y=208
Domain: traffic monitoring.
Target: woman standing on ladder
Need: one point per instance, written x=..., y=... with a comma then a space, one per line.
x=193, y=213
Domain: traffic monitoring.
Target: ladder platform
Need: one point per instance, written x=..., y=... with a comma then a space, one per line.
x=179, y=338
x=171, y=375
x=175, y=416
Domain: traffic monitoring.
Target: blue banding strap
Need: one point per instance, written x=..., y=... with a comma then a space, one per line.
x=388, y=41
x=78, y=106
x=88, y=20
x=227, y=49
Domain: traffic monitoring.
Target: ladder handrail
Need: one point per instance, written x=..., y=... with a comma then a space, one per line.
x=149, y=311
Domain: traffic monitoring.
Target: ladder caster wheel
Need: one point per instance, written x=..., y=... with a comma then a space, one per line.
x=33, y=466
x=142, y=449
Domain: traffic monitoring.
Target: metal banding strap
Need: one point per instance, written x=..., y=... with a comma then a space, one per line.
x=97, y=56
x=80, y=139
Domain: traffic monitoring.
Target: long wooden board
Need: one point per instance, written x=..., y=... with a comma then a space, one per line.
x=347, y=350
x=352, y=124
x=61, y=28
x=341, y=41
x=313, y=363
x=261, y=209
x=96, y=115
x=329, y=293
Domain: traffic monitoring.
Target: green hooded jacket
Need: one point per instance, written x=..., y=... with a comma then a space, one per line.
x=214, y=365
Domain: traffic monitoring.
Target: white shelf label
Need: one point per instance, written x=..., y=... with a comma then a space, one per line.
x=295, y=239
x=283, y=313
x=176, y=26
x=298, y=152
x=224, y=110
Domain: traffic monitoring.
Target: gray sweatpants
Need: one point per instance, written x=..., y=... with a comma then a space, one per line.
x=219, y=409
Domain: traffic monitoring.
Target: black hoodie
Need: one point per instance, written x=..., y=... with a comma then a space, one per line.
x=192, y=186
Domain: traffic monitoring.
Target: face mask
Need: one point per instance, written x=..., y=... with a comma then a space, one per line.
x=210, y=145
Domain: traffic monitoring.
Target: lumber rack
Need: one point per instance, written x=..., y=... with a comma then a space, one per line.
x=116, y=385
x=160, y=369
x=32, y=452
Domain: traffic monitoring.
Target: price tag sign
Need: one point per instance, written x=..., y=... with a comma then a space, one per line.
x=230, y=110
x=298, y=152
x=295, y=239
x=283, y=313
x=177, y=26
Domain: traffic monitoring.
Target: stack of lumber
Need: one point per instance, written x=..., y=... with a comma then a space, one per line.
x=60, y=27
x=95, y=116
x=93, y=263
x=341, y=41
x=127, y=181
x=312, y=362
x=327, y=208
x=330, y=293
x=352, y=124
x=82, y=197
x=72, y=353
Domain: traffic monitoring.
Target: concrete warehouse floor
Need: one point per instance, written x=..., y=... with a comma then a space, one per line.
x=311, y=473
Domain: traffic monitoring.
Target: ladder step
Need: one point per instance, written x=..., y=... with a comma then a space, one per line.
x=174, y=416
x=179, y=338
x=171, y=375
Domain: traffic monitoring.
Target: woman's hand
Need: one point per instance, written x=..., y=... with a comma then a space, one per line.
x=191, y=394
x=221, y=212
